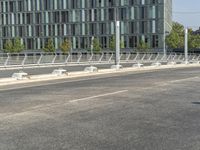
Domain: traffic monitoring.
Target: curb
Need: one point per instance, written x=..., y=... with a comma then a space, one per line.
x=48, y=77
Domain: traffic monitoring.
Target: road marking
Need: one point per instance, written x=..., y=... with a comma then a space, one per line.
x=49, y=106
x=97, y=96
x=166, y=83
x=185, y=79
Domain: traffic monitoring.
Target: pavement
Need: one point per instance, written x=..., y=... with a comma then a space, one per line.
x=152, y=110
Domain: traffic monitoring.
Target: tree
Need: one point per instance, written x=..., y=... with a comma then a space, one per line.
x=176, y=38
x=17, y=45
x=193, y=40
x=122, y=45
x=66, y=46
x=13, y=47
x=8, y=46
x=49, y=46
x=96, y=45
x=112, y=43
x=143, y=47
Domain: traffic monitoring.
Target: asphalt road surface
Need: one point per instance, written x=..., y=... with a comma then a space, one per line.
x=157, y=110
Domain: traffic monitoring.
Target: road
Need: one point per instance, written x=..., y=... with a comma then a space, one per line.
x=156, y=110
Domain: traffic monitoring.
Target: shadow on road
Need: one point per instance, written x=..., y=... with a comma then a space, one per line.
x=196, y=103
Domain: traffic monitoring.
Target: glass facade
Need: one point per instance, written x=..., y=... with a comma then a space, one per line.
x=37, y=20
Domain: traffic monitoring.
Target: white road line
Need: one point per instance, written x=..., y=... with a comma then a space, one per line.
x=166, y=83
x=49, y=106
x=186, y=79
x=97, y=96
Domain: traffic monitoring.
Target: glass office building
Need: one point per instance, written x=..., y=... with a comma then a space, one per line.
x=35, y=21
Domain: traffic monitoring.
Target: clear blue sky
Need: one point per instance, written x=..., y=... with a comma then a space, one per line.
x=187, y=19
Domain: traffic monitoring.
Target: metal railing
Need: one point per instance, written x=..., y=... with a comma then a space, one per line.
x=51, y=59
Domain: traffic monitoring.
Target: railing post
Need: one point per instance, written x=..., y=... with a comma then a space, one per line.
x=110, y=58
x=7, y=59
x=24, y=60
x=194, y=57
x=54, y=59
x=67, y=59
x=150, y=57
x=143, y=57
x=170, y=55
x=179, y=58
x=198, y=57
x=163, y=57
x=175, y=55
x=39, y=60
x=120, y=56
x=91, y=57
x=79, y=59
x=102, y=55
x=135, y=59
x=156, y=59
x=128, y=57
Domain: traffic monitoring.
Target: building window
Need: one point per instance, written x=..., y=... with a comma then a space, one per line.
x=155, y=41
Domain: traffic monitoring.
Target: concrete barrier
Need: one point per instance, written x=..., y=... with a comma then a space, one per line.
x=60, y=72
x=20, y=75
x=91, y=69
x=138, y=65
x=117, y=67
x=156, y=64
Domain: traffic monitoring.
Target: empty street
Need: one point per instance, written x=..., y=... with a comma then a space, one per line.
x=154, y=110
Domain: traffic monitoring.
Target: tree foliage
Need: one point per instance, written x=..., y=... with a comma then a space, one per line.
x=112, y=43
x=143, y=47
x=8, y=46
x=49, y=46
x=13, y=47
x=176, y=38
x=66, y=46
x=96, y=45
x=193, y=40
x=17, y=45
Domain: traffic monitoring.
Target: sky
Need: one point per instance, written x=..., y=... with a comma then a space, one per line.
x=187, y=19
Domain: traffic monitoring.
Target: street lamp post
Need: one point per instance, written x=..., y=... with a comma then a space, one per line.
x=117, y=42
x=117, y=59
x=164, y=33
x=186, y=46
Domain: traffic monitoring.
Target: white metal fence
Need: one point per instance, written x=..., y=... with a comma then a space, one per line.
x=43, y=59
